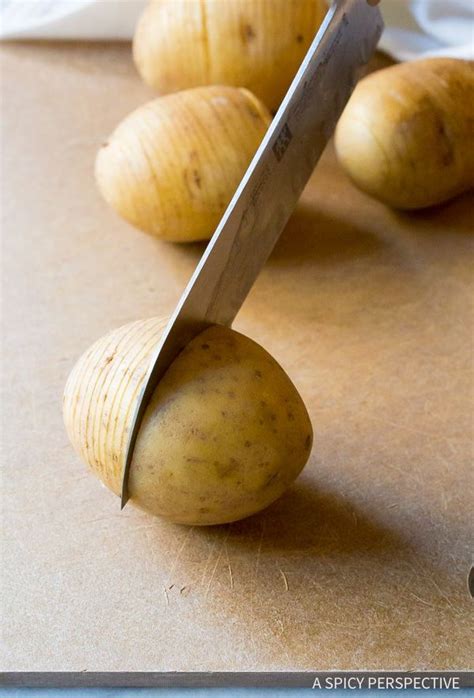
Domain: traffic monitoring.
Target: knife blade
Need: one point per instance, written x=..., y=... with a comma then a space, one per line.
x=269, y=190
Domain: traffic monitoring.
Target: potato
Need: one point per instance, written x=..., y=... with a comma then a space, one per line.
x=225, y=432
x=246, y=43
x=406, y=135
x=173, y=165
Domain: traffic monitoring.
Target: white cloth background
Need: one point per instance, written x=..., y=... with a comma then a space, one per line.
x=414, y=28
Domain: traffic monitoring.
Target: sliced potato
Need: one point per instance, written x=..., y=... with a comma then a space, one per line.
x=257, y=44
x=224, y=435
x=172, y=166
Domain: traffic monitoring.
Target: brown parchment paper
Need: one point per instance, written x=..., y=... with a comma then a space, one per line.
x=363, y=563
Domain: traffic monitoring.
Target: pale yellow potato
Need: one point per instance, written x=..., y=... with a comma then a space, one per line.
x=172, y=166
x=257, y=44
x=224, y=435
x=406, y=136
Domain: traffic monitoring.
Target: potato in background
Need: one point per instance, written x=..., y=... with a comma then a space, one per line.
x=172, y=166
x=257, y=44
x=406, y=136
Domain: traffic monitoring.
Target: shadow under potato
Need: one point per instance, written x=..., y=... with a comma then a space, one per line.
x=310, y=235
x=454, y=216
x=314, y=235
x=309, y=520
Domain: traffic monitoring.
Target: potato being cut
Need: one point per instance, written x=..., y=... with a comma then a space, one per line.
x=224, y=434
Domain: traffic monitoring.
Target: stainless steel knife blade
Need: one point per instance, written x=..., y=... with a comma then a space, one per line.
x=269, y=190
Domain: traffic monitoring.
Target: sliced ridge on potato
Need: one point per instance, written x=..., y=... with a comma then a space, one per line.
x=257, y=44
x=172, y=166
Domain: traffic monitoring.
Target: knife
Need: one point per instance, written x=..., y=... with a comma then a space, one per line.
x=269, y=190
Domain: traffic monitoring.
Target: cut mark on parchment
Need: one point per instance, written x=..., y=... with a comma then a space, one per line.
x=285, y=580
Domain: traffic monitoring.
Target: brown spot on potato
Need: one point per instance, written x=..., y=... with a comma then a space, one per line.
x=247, y=32
x=217, y=357
x=258, y=374
x=291, y=417
x=253, y=112
x=447, y=158
x=446, y=150
x=204, y=510
x=307, y=443
x=197, y=178
x=192, y=179
x=186, y=181
x=231, y=394
x=299, y=38
x=247, y=444
x=224, y=469
x=271, y=478
x=198, y=433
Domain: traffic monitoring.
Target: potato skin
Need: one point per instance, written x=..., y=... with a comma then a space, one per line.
x=224, y=435
x=172, y=166
x=255, y=44
x=406, y=134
